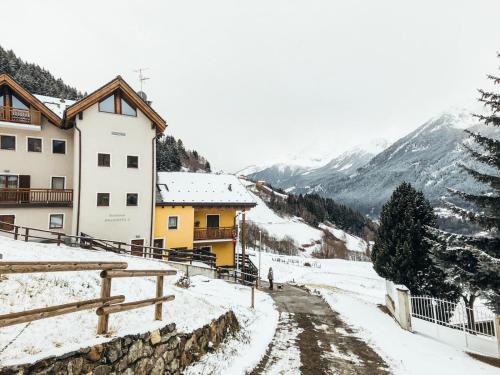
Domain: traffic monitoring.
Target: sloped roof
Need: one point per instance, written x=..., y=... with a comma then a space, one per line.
x=53, y=117
x=108, y=89
x=56, y=105
x=201, y=189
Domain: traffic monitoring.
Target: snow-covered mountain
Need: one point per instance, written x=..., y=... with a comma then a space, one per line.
x=291, y=176
x=428, y=157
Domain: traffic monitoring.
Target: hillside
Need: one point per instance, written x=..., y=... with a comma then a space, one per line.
x=172, y=156
x=35, y=79
x=286, y=233
x=428, y=158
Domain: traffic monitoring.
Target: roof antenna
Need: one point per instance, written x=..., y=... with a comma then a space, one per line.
x=142, y=79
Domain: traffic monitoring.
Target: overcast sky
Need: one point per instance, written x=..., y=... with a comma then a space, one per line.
x=246, y=82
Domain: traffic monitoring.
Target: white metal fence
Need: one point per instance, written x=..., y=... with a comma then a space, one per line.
x=456, y=324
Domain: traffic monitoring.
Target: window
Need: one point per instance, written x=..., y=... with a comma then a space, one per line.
x=127, y=109
x=132, y=199
x=102, y=199
x=173, y=222
x=58, y=183
x=103, y=160
x=8, y=182
x=58, y=146
x=7, y=142
x=212, y=221
x=16, y=103
x=34, y=144
x=116, y=103
x=132, y=161
x=108, y=104
x=56, y=221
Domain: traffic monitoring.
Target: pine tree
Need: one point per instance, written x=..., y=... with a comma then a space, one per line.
x=401, y=251
x=474, y=262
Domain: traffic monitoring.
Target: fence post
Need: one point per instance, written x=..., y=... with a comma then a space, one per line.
x=59, y=239
x=404, y=312
x=497, y=332
x=102, y=321
x=26, y=234
x=159, y=293
x=434, y=313
x=253, y=297
x=16, y=232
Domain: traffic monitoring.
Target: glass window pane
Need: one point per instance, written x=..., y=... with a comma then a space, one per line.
x=58, y=147
x=212, y=221
x=103, y=199
x=172, y=222
x=108, y=104
x=103, y=160
x=132, y=199
x=56, y=221
x=12, y=182
x=34, y=145
x=16, y=103
x=127, y=109
x=57, y=182
x=132, y=161
x=7, y=142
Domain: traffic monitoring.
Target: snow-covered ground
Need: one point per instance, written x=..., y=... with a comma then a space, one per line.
x=192, y=308
x=296, y=228
x=354, y=290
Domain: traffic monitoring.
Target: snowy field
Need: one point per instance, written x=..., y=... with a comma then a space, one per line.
x=192, y=308
x=354, y=290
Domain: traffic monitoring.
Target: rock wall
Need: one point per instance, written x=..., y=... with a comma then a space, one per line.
x=164, y=351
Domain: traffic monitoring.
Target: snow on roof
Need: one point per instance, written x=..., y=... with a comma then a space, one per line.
x=56, y=105
x=202, y=189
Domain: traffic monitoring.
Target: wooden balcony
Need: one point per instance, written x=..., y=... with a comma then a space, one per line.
x=220, y=233
x=36, y=197
x=20, y=116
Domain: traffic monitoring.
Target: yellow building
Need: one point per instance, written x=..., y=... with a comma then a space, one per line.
x=198, y=211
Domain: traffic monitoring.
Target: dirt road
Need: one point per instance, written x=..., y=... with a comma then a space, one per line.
x=312, y=339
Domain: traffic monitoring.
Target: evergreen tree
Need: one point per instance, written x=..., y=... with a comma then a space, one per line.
x=474, y=262
x=401, y=251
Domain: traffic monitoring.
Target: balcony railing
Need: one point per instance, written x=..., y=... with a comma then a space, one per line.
x=21, y=116
x=53, y=197
x=220, y=233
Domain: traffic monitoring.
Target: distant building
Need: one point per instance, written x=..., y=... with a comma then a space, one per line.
x=198, y=211
x=79, y=167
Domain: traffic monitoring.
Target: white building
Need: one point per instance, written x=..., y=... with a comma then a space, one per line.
x=79, y=167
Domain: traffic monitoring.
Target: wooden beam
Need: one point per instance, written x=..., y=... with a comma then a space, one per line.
x=137, y=273
x=48, y=312
x=30, y=267
x=103, y=320
x=159, y=294
x=133, y=305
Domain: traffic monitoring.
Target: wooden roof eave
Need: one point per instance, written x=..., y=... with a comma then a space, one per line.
x=31, y=99
x=106, y=90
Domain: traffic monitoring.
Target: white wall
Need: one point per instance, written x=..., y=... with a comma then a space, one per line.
x=39, y=165
x=118, y=135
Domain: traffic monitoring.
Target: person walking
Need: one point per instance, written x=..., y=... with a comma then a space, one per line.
x=270, y=277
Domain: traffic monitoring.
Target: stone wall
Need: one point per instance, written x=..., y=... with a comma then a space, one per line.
x=164, y=351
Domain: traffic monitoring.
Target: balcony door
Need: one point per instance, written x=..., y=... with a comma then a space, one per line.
x=213, y=221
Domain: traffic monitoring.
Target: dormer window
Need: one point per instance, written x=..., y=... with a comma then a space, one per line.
x=116, y=103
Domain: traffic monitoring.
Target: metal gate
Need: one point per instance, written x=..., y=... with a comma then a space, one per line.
x=455, y=324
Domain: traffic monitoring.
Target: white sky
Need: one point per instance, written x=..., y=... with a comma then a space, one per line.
x=245, y=82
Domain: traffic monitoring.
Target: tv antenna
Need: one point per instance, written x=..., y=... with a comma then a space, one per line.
x=142, y=78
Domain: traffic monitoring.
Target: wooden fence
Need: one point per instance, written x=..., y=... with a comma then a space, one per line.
x=87, y=242
x=105, y=305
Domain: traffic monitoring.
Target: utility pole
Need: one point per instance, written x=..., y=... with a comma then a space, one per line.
x=260, y=251
x=243, y=240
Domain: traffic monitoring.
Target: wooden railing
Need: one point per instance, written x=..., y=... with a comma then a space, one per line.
x=36, y=196
x=21, y=116
x=219, y=233
x=105, y=305
x=23, y=233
